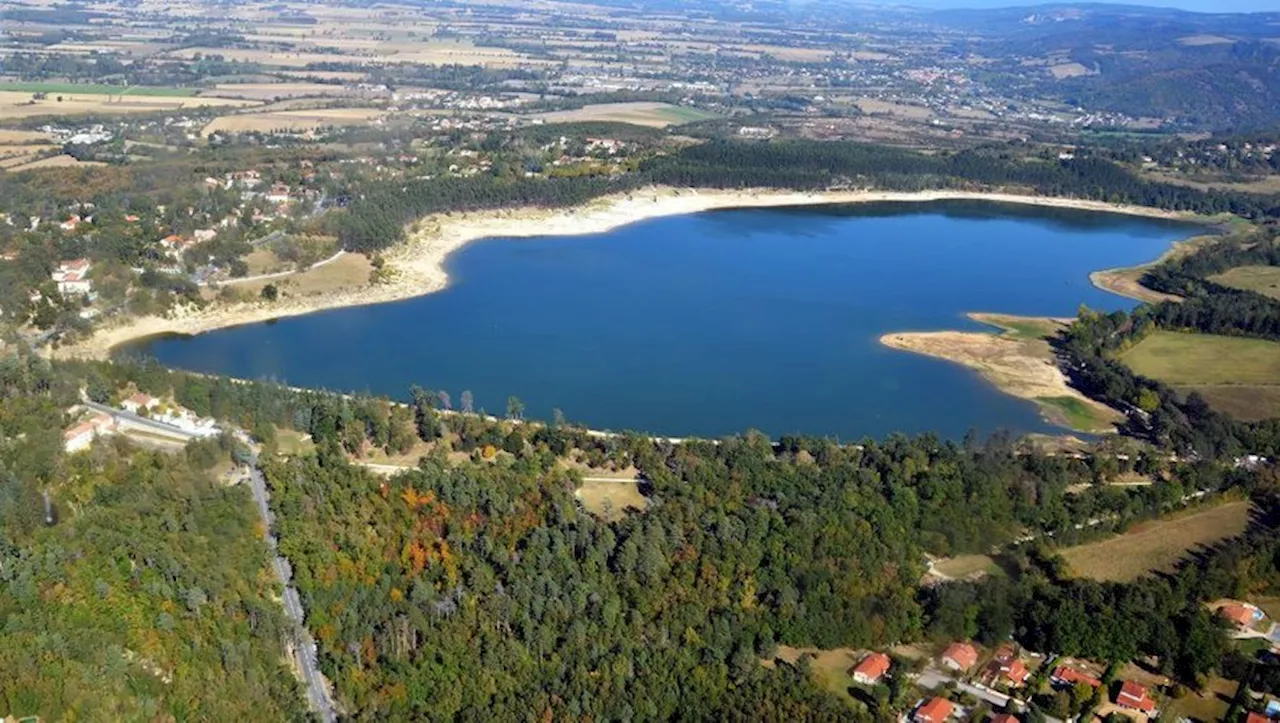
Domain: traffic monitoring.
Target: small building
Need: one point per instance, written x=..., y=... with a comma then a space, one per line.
x=1004, y=718
x=1066, y=677
x=1012, y=672
x=1242, y=615
x=79, y=436
x=1135, y=696
x=934, y=710
x=1256, y=718
x=139, y=402
x=959, y=657
x=872, y=669
x=72, y=277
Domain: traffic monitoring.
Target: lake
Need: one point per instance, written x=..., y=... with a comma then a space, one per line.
x=716, y=322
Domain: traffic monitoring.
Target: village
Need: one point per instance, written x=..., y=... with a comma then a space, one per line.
x=965, y=681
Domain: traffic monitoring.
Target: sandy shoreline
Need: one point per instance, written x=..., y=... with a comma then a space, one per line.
x=1017, y=364
x=419, y=262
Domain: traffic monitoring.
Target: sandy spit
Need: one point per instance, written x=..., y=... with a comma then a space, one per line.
x=419, y=262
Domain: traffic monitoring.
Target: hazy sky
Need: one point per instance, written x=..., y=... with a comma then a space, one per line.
x=1217, y=6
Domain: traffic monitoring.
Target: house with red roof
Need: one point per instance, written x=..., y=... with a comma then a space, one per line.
x=934, y=710
x=1256, y=718
x=1242, y=615
x=1066, y=677
x=1003, y=718
x=959, y=656
x=1135, y=696
x=872, y=669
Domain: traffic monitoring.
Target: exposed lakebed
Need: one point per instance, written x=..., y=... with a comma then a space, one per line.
x=714, y=322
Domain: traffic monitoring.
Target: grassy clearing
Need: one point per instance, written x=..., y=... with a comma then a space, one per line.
x=611, y=500
x=1077, y=413
x=1157, y=545
x=1199, y=359
x=293, y=443
x=1264, y=280
x=1210, y=705
x=97, y=89
x=830, y=668
x=965, y=565
x=349, y=272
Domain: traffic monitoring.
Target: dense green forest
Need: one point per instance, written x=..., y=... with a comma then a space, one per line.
x=148, y=597
x=377, y=216
x=480, y=591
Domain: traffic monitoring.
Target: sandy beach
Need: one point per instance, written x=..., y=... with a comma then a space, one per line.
x=1020, y=365
x=418, y=264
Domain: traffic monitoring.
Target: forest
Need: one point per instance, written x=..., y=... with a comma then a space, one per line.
x=142, y=592
x=377, y=217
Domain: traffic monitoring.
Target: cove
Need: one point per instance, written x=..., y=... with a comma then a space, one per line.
x=716, y=322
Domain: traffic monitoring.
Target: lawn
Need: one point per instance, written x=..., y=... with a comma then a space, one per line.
x=1264, y=280
x=1196, y=359
x=97, y=89
x=1157, y=545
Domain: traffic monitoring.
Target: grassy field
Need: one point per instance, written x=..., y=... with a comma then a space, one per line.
x=963, y=566
x=1077, y=413
x=96, y=89
x=1246, y=402
x=1209, y=705
x=1157, y=545
x=611, y=499
x=1264, y=280
x=1196, y=359
x=349, y=271
x=18, y=105
x=656, y=115
x=292, y=120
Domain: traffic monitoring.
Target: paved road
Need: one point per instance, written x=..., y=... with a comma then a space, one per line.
x=317, y=693
x=167, y=430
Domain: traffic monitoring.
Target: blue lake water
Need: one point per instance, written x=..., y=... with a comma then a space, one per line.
x=715, y=322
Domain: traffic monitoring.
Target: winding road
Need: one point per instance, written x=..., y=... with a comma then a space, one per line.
x=317, y=693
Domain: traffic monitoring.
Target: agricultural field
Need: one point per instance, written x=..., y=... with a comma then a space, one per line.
x=1235, y=375
x=96, y=89
x=268, y=92
x=16, y=105
x=1264, y=280
x=59, y=161
x=655, y=115
x=1157, y=546
x=292, y=120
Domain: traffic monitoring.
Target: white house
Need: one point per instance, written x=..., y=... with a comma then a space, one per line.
x=139, y=402
x=80, y=436
x=72, y=277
